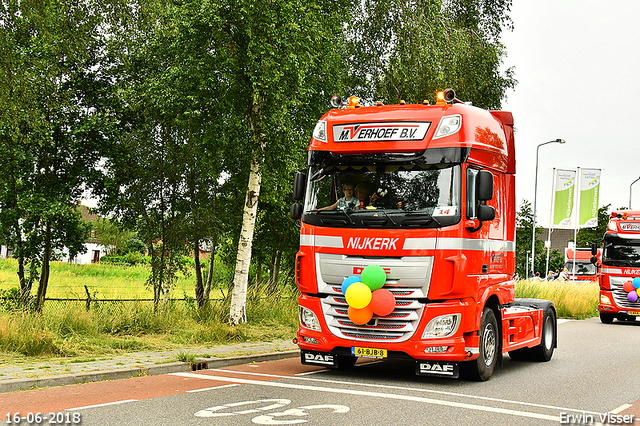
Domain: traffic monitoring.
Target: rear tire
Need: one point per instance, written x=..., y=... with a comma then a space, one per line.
x=606, y=318
x=481, y=369
x=544, y=351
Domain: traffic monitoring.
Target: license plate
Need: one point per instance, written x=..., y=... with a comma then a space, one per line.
x=369, y=352
x=634, y=312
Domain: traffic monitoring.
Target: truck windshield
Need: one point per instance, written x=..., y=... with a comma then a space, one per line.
x=582, y=268
x=393, y=192
x=621, y=252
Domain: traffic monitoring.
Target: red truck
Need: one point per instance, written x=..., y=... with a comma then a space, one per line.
x=585, y=269
x=619, y=274
x=435, y=211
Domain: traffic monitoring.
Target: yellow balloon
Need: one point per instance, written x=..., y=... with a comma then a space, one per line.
x=358, y=295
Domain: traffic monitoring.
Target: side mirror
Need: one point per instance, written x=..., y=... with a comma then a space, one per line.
x=295, y=212
x=486, y=213
x=484, y=186
x=594, y=260
x=594, y=249
x=299, y=186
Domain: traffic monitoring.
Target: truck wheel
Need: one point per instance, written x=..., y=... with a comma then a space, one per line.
x=482, y=368
x=606, y=318
x=544, y=351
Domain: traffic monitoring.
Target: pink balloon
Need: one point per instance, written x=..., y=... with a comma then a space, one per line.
x=632, y=296
x=383, y=302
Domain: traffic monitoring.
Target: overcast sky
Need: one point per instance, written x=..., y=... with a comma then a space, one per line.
x=577, y=63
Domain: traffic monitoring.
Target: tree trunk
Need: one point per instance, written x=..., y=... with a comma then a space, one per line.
x=25, y=285
x=212, y=257
x=44, y=270
x=238, y=312
x=276, y=269
x=198, y=268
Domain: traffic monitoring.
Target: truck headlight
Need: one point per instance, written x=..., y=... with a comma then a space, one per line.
x=449, y=125
x=320, y=131
x=442, y=326
x=308, y=319
x=605, y=299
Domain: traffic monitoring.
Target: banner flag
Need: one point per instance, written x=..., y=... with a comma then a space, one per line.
x=563, y=193
x=589, y=191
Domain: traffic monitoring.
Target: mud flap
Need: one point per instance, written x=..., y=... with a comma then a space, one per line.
x=322, y=359
x=438, y=369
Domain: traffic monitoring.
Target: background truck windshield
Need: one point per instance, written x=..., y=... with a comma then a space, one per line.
x=429, y=189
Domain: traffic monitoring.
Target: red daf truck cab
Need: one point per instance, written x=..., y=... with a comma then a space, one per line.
x=434, y=208
x=619, y=275
x=579, y=265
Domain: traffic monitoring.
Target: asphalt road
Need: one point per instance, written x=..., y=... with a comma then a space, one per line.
x=592, y=373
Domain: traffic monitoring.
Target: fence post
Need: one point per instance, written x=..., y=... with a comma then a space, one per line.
x=88, y=297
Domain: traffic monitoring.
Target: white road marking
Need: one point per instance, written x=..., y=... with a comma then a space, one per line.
x=403, y=388
x=211, y=388
x=102, y=405
x=372, y=394
x=620, y=408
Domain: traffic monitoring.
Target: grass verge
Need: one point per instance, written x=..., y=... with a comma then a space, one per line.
x=573, y=299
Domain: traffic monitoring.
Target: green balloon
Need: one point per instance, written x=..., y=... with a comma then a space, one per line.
x=373, y=276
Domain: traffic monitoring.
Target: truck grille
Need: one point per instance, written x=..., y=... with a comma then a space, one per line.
x=408, y=279
x=619, y=295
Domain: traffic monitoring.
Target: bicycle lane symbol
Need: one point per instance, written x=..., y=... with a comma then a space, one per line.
x=296, y=415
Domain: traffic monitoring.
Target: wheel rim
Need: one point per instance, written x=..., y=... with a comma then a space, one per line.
x=489, y=344
x=547, y=333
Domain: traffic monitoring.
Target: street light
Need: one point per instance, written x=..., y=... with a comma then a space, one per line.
x=535, y=193
x=630, y=191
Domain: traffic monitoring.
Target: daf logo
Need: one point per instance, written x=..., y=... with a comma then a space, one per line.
x=447, y=368
x=319, y=358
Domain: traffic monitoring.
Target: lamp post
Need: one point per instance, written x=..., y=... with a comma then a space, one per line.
x=630, y=191
x=535, y=193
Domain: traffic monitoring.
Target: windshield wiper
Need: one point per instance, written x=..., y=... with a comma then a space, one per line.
x=345, y=212
x=416, y=220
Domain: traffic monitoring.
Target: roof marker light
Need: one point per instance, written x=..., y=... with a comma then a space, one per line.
x=354, y=102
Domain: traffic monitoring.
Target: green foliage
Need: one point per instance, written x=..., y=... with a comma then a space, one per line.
x=113, y=235
x=524, y=231
x=588, y=236
x=415, y=48
x=10, y=299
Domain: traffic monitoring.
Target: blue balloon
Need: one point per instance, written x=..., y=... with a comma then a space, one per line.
x=636, y=282
x=348, y=281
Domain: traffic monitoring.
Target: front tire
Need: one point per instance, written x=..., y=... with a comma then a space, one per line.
x=606, y=318
x=481, y=369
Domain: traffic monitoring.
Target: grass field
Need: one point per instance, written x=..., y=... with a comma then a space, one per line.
x=104, y=281
x=67, y=329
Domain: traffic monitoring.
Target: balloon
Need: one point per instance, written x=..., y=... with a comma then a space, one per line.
x=358, y=295
x=383, y=302
x=373, y=276
x=636, y=282
x=348, y=281
x=632, y=296
x=360, y=316
x=628, y=286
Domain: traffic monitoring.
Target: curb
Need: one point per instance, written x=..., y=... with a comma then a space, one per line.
x=14, y=385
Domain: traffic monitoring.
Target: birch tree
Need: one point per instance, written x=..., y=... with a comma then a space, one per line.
x=282, y=54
